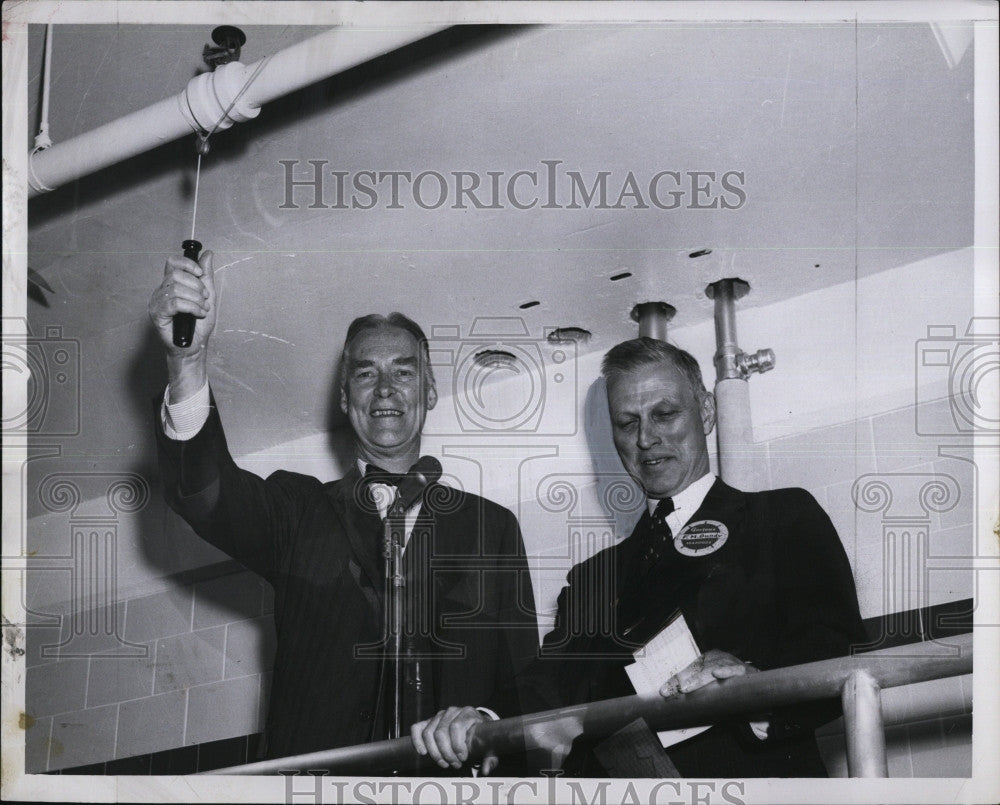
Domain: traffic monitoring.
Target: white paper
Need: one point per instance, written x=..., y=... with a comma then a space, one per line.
x=673, y=649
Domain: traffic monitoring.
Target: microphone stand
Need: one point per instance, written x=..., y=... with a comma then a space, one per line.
x=395, y=583
x=426, y=471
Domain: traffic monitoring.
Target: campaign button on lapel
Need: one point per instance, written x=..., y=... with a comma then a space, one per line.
x=701, y=538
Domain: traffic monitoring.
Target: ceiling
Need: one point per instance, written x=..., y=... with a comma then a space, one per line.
x=854, y=144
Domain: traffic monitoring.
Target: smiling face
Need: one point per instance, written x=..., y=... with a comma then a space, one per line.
x=659, y=423
x=386, y=394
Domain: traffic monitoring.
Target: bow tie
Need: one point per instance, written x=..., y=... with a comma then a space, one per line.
x=376, y=475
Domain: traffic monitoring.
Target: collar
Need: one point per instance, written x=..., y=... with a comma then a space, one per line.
x=384, y=494
x=688, y=501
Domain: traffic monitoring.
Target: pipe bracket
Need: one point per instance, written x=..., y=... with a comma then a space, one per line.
x=213, y=102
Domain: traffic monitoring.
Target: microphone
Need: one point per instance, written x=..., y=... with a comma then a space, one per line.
x=421, y=475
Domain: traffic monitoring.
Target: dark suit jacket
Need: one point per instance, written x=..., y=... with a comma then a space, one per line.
x=779, y=592
x=320, y=549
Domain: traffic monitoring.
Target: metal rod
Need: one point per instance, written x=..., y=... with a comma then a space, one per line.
x=197, y=180
x=42, y=139
x=744, y=695
x=396, y=590
x=725, y=319
x=863, y=728
x=48, y=75
x=395, y=587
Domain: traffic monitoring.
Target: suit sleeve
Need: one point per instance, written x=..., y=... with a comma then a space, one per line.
x=817, y=605
x=238, y=512
x=518, y=622
x=559, y=674
x=817, y=600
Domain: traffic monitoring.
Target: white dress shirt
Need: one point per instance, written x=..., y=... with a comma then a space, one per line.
x=686, y=503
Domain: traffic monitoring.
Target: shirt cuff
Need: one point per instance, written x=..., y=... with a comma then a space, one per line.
x=759, y=729
x=488, y=713
x=182, y=420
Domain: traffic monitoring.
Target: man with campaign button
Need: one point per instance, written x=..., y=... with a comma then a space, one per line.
x=741, y=581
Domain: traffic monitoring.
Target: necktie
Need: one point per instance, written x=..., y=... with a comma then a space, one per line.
x=660, y=537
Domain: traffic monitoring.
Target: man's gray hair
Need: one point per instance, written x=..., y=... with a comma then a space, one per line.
x=630, y=355
x=374, y=321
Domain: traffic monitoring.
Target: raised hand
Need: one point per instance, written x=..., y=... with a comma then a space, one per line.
x=187, y=287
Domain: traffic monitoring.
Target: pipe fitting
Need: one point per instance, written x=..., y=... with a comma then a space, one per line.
x=653, y=318
x=205, y=102
x=727, y=354
x=761, y=361
x=730, y=361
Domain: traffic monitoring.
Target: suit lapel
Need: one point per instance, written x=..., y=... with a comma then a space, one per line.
x=628, y=561
x=361, y=524
x=718, y=585
x=448, y=527
x=722, y=503
x=630, y=618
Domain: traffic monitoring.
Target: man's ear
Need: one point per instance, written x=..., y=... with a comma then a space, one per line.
x=708, y=412
x=343, y=397
x=431, y=395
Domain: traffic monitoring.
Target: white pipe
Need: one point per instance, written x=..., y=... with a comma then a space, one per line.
x=863, y=727
x=734, y=424
x=735, y=433
x=200, y=106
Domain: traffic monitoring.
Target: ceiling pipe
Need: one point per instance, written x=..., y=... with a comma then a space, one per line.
x=734, y=424
x=653, y=318
x=214, y=101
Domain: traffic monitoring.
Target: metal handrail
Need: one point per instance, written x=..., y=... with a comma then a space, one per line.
x=856, y=680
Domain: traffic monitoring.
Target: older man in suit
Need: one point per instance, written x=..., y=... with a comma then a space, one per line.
x=761, y=580
x=469, y=609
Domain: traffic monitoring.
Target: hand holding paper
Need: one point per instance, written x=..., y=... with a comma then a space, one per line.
x=672, y=651
x=706, y=668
